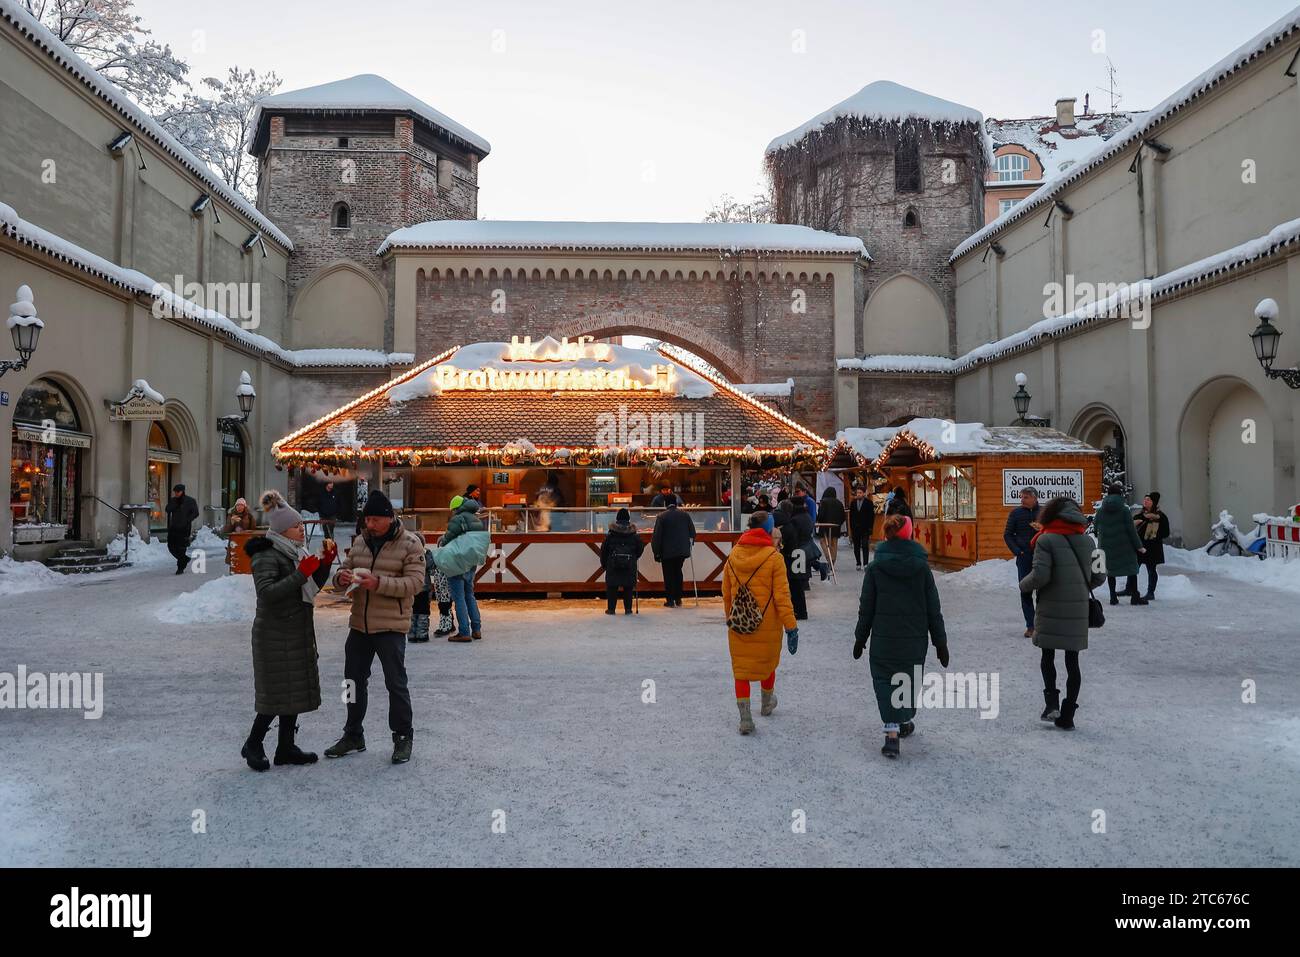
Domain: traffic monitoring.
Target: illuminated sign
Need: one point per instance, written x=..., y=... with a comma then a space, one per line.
x=565, y=350
x=453, y=378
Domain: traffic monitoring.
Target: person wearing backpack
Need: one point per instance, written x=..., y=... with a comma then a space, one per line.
x=897, y=611
x=756, y=595
x=1063, y=576
x=618, y=556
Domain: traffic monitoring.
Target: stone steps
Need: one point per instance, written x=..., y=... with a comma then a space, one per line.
x=84, y=559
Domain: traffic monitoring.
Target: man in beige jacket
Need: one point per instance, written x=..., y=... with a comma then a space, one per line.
x=386, y=564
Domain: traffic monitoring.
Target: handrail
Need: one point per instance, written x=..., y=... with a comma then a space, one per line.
x=126, y=534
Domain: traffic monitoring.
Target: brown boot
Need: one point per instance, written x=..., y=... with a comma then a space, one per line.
x=476, y=636
x=746, y=717
x=455, y=637
x=769, y=703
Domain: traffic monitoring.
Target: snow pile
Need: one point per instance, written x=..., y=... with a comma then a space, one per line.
x=768, y=390
x=154, y=553
x=993, y=573
x=697, y=237
x=23, y=311
x=150, y=393
x=229, y=598
x=19, y=578
x=1176, y=588
x=897, y=363
x=1272, y=573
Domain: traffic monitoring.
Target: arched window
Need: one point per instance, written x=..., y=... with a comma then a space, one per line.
x=342, y=218
x=164, y=472
x=1012, y=168
x=911, y=220
x=907, y=163
x=45, y=465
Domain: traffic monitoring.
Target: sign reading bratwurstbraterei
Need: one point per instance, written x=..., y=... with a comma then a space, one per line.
x=1049, y=482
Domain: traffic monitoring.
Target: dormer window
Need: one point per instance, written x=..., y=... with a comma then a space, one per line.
x=342, y=216
x=1012, y=168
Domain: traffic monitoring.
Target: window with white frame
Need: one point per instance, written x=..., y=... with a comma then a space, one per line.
x=1012, y=168
x=1004, y=205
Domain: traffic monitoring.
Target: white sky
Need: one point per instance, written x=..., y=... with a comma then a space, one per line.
x=651, y=110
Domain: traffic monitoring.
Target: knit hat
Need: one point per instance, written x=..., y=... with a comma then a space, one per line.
x=470, y=505
x=906, y=532
x=377, y=506
x=456, y=501
x=282, y=519
x=1155, y=497
x=241, y=501
x=623, y=515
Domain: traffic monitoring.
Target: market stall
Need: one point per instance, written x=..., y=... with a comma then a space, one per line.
x=557, y=436
x=962, y=480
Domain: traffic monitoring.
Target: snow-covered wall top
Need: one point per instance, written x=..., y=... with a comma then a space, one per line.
x=366, y=91
x=695, y=237
x=1140, y=129
x=885, y=101
x=16, y=14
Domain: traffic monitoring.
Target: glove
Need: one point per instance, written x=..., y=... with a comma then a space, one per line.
x=858, y=647
x=942, y=652
x=308, y=565
x=792, y=640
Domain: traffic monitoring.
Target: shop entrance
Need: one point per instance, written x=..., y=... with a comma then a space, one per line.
x=46, y=465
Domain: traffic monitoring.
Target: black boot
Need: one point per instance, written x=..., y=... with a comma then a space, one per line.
x=286, y=752
x=1137, y=599
x=1066, y=720
x=252, y=751
x=1053, y=700
x=890, y=749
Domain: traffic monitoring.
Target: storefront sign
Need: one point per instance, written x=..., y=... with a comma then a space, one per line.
x=451, y=378
x=31, y=433
x=164, y=455
x=1049, y=482
x=136, y=407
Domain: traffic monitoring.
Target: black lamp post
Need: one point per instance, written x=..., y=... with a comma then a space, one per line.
x=1021, y=398
x=1265, y=339
x=25, y=328
x=246, y=397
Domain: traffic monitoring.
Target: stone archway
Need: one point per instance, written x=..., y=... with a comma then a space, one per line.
x=905, y=316
x=721, y=356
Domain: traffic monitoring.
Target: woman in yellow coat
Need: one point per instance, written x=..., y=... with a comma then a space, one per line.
x=756, y=566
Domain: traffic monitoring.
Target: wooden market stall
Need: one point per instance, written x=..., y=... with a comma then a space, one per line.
x=962, y=480
x=557, y=436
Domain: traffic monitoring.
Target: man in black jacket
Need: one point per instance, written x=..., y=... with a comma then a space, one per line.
x=327, y=506
x=666, y=497
x=862, y=518
x=671, y=543
x=1020, y=531
x=831, y=513
x=181, y=513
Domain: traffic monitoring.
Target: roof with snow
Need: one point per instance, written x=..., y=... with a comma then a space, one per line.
x=641, y=237
x=1142, y=128
x=477, y=402
x=885, y=101
x=927, y=440
x=58, y=51
x=1057, y=147
x=363, y=93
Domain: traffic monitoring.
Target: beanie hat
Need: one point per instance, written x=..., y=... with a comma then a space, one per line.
x=1155, y=497
x=282, y=518
x=906, y=531
x=470, y=505
x=377, y=506
x=457, y=501
x=623, y=515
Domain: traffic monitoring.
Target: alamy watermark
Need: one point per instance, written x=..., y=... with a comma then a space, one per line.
x=240, y=302
x=75, y=691
x=656, y=430
x=949, y=689
x=1122, y=300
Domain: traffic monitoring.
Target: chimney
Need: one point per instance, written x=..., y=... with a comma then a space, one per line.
x=1065, y=111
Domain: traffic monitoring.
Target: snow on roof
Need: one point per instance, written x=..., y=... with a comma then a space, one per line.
x=1138, y=130
x=1058, y=148
x=946, y=437
x=119, y=101
x=766, y=390
x=886, y=101
x=11, y=224
x=366, y=91
x=698, y=237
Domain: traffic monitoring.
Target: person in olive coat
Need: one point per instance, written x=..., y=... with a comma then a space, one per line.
x=1117, y=537
x=1062, y=574
x=897, y=612
x=1152, y=530
x=618, y=556
x=286, y=680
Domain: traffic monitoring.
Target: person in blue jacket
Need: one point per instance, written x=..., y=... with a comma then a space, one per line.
x=1019, y=534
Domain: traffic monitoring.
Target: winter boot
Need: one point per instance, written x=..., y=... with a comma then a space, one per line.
x=890, y=750
x=476, y=635
x=286, y=752
x=412, y=630
x=346, y=745
x=445, y=625
x=401, y=748
x=421, y=623
x=1053, y=701
x=769, y=703
x=1137, y=599
x=746, y=717
x=1066, y=721
x=253, y=753
x=905, y=729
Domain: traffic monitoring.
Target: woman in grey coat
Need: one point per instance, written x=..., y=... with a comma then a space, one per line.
x=1063, y=576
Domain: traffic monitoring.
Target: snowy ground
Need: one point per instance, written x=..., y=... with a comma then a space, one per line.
x=543, y=720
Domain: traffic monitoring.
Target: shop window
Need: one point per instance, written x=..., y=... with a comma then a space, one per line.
x=45, y=465
x=925, y=495
x=164, y=472
x=958, y=494
x=232, y=469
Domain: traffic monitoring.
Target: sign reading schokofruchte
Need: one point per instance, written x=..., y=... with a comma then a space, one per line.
x=1049, y=482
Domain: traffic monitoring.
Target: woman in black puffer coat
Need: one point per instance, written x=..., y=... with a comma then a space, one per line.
x=618, y=556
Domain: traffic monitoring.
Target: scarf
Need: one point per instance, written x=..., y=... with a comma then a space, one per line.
x=295, y=553
x=1057, y=526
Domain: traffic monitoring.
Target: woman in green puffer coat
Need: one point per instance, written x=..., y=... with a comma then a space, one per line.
x=899, y=613
x=1113, y=526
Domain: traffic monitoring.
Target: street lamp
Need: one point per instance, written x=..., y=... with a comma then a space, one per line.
x=25, y=327
x=1265, y=339
x=245, y=395
x=1021, y=398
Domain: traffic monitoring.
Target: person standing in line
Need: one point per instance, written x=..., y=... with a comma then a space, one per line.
x=862, y=519
x=756, y=595
x=1152, y=530
x=897, y=503
x=1022, y=526
x=1063, y=577
x=795, y=557
x=327, y=507
x=181, y=513
x=286, y=680
x=809, y=503
x=1118, y=538
x=671, y=544
x=831, y=518
x=897, y=612
x=386, y=563
x=464, y=520
x=618, y=557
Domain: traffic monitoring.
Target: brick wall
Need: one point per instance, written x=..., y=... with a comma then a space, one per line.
x=889, y=400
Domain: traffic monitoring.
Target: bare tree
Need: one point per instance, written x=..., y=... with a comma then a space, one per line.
x=728, y=209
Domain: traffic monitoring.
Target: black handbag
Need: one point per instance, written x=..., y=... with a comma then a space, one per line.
x=1096, y=614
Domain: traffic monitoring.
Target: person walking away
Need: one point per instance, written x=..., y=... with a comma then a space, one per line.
x=386, y=562
x=756, y=595
x=181, y=513
x=831, y=517
x=239, y=518
x=806, y=538
x=671, y=544
x=618, y=556
x=862, y=520
x=1118, y=538
x=327, y=507
x=897, y=504
x=897, y=612
x=1062, y=576
x=466, y=559
x=795, y=555
x=286, y=680
x=1022, y=526
x=1152, y=530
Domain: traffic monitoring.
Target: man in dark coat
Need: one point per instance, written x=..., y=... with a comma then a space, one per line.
x=862, y=518
x=671, y=544
x=666, y=497
x=618, y=556
x=799, y=550
x=1118, y=538
x=1019, y=536
x=831, y=513
x=327, y=506
x=1152, y=529
x=181, y=513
